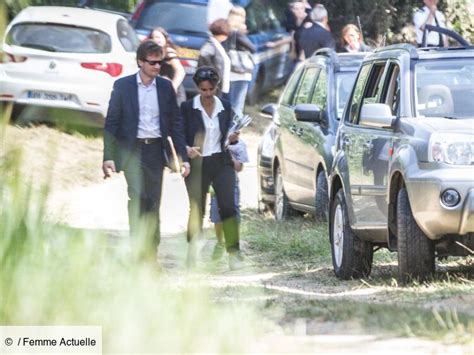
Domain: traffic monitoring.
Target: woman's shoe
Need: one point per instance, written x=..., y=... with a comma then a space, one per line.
x=236, y=261
x=218, y=252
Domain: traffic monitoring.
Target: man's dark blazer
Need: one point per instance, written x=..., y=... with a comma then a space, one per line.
x=195, y=129
x=121, y=123
x=313, y=38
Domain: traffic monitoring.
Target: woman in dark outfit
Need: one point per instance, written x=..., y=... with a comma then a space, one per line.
x=207, y=122
x=171, y=68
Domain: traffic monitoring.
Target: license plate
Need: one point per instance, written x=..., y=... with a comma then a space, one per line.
x=52, y=96
x=188, y=53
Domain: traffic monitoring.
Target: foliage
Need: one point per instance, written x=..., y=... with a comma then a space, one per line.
x=391, y=19
x=460, y=18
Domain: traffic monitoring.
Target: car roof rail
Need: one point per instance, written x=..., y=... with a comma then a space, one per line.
x=450, y=33
x=410, y=48
x=329, y=53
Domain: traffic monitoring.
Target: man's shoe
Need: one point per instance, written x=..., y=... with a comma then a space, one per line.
x=218, y=251
x=191, y=257
x=236, y=261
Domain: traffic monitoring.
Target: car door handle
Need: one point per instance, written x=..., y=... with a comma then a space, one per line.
x=368, y=146
x=346, y=142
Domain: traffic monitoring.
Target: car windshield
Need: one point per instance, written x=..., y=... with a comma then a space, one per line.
x=344, y=82
x=445, y=88
x=175, y=17
x=59, y=38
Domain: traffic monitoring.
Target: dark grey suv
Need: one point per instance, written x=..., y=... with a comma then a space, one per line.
x=403, y=172
x=296, y=151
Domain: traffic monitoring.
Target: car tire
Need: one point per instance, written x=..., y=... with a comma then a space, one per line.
x=351, y=256
x=281, y=208
x=321, y=199
x=416, y=258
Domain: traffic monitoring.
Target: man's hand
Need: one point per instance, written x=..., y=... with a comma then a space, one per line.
x=234, y=136
x=186, y=169
x=108, y=167
x=193, y=152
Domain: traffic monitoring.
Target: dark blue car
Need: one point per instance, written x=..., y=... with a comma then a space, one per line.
x=186, y=22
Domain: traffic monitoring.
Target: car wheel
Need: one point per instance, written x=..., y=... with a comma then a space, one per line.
x=416, y=259
x=282, y=208
x=321, y=202
x=351, y=256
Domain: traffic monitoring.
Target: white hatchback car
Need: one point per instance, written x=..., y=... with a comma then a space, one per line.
x=66, y=57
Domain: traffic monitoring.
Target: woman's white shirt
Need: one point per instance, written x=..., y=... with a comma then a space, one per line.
x=212, y=137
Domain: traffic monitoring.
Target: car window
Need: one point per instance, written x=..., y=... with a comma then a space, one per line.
x=287, y=96
x=344, y=83
x=127, y=36
x=374, y=83
x=354, y=107
x=319, y=96
x=59, y=38
x=391, y=91
x=175, y=17
x=306, y=86
x=445, y=88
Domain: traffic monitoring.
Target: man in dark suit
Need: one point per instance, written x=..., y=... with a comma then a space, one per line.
x=315, y=35
x=142, y=114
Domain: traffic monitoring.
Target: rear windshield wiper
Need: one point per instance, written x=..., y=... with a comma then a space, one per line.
x=38, y=46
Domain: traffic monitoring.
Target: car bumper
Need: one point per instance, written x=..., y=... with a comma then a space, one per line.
x=432, y=216
x=83, y=97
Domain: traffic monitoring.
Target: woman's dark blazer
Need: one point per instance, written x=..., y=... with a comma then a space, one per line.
x=195, y=130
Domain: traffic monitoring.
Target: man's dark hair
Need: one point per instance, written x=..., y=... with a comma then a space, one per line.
x=219, y=27
x=148, y=47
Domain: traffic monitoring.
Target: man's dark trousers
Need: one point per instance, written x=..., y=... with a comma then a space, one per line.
x=144, y=175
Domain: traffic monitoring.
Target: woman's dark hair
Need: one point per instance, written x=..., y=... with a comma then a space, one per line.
x=148, y=47
x=206, y=74
x=219, y=27
x=169, y=42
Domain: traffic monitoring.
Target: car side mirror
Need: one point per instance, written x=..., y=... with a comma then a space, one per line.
x=308, y=113
x=376, y=115
x=268, y=110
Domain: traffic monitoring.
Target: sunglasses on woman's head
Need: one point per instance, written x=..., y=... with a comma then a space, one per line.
x=207, y=74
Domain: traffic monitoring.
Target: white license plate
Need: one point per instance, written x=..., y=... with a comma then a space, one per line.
x=53, y=96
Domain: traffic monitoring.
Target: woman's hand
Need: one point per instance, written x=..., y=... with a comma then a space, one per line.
x=234, y=136
x=193, y=152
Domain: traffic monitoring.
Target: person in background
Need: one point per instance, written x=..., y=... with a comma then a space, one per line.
x=430, y=15
x=351, y=40
x=239, y=82
x=217, y=9
x=171, y=68
x=239, y=154
x=315, y=35
x=212, y=54
x=297, y=16
x=207, y=121
x=135, y=132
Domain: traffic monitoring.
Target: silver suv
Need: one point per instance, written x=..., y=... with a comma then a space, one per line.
x=403, y=171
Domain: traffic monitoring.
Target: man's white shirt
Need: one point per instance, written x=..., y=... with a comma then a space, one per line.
x=149, y=112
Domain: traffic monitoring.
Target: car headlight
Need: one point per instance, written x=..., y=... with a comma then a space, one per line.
x=455, y=149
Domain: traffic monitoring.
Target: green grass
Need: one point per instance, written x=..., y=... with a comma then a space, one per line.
x=393, y=319
x=299, y=242
x=52, y=275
